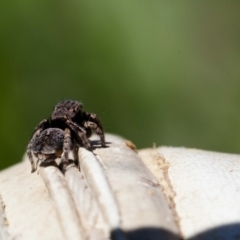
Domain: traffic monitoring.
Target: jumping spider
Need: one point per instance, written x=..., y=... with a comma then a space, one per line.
x=67, y=126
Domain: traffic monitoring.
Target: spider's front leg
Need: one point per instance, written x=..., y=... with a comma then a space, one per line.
x=80, y=134
x=38, y=129
x=67, y=146
x=95, y=125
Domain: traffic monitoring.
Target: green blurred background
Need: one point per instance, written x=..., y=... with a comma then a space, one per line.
x=164, y=72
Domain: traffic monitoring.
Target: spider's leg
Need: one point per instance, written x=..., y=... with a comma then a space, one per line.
x=95, y=125
x=29, y=154
x=39, y=128
x=67, y=146
x=75, y=152
x=80, y=133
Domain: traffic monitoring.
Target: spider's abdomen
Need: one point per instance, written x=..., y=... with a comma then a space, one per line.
x=50, y=141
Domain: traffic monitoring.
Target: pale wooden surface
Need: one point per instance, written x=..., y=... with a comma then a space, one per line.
x=203, y=188
x=161, y=193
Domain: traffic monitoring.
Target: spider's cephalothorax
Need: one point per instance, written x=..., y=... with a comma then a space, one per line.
x=76, y=124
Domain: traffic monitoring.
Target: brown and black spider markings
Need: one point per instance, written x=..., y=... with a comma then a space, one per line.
x=53, y=143
x=68, y=128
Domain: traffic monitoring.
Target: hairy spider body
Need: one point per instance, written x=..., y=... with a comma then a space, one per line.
x=49, y=141
x=48, y=145
x=77, y=125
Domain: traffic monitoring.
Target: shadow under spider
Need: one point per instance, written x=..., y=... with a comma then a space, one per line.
x=97, y=144
x=53, y=163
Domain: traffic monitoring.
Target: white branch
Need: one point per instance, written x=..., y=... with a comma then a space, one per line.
x=165, y=194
